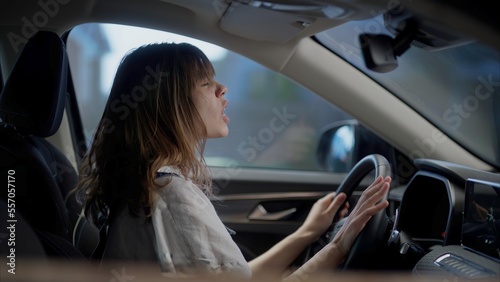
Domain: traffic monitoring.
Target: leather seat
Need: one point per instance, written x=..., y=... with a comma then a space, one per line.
x=31, y=108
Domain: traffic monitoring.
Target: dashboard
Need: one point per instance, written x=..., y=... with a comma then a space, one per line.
x=448, y=213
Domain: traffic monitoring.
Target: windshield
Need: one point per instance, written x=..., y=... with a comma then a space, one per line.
x=457, y=89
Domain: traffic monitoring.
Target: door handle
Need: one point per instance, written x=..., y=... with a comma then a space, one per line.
x=260, y=213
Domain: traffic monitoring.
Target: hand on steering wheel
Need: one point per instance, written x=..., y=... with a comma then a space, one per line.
x=357, y=234
x=361, y=232
x=367, y=206
x=322, y=214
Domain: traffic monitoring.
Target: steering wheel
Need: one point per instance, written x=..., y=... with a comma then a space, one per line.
x=373, y=232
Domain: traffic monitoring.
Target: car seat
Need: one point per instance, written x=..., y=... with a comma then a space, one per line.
x=31, y=108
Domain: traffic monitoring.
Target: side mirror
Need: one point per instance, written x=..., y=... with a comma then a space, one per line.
x=343, y=144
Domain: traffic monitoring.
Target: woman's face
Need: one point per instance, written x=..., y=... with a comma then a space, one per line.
x=209, y=97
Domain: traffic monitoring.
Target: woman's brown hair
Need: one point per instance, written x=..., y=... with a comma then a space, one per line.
x=150, y=120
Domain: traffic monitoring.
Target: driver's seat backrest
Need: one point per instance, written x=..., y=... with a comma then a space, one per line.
x=31, y=109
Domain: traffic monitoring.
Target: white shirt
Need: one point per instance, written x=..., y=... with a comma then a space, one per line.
x=185, y=234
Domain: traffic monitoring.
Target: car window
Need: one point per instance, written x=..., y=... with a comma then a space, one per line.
x=274, y=122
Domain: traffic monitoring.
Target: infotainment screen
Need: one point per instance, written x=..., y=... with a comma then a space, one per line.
x=481, y=220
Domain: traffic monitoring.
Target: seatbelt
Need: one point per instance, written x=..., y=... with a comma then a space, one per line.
x=96, y=256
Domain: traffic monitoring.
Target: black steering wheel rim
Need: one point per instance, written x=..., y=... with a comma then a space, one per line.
x=373, y=232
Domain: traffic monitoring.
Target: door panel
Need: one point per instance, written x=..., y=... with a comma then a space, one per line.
x=257, y=203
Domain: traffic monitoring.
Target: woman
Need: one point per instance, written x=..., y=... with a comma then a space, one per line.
x=146, y=175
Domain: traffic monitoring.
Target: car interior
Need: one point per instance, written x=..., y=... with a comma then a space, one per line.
x=403, y=89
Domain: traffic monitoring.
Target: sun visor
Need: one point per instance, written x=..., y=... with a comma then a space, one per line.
x=263, y=24
x=283, y=20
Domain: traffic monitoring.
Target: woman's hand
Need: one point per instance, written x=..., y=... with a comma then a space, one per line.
x=368, y=205
x=321, y=216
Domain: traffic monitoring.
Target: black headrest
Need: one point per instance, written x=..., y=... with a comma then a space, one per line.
x=34, y=95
